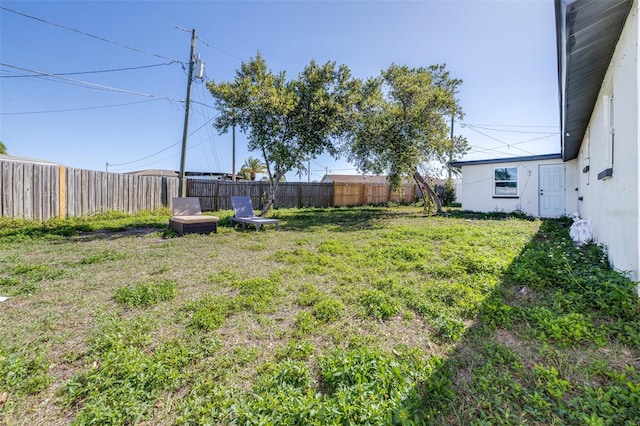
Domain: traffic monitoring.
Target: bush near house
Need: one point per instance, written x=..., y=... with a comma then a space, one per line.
x=344, y=316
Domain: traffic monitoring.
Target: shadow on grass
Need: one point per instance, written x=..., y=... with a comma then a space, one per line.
x=557, y=342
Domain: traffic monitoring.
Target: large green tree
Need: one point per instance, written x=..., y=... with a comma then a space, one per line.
x=3, y=149
x=287, y=121
x=403, y=123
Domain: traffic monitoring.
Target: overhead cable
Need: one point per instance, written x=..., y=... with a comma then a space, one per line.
x=162, y=150
x=473, y=126
x=92, y=85
x=77, y=109
x=88, y=35
x=89, y=72
x=220, y=50
x=498, y=140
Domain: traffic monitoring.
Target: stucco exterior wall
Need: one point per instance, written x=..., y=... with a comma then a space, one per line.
x=478, y=183
x=612, y=204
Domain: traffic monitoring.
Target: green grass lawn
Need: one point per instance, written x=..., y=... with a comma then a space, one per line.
x=343, y=316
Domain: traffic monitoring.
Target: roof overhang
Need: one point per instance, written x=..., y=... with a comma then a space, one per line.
x=507, y=160
x=587, y=32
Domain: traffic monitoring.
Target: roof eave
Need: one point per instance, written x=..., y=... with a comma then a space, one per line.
x=584, y=30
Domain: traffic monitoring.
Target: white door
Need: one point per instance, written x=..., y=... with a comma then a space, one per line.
x=551, y=190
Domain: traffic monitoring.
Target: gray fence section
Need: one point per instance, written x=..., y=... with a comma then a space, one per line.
x=216, y=195
x=29, y=191
x=38, y=191
x=90, y=191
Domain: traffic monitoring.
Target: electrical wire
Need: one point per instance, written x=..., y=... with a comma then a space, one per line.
x=471, y=126
x=481, y=149
x=218, y=49
x=508, y=125
x=498, y=140
x=88, y=35
x=161, y=151
x=78, y=109
x=91, y=85
x=89, y=72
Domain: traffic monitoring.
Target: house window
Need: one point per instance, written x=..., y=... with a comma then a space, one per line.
x=505, y=182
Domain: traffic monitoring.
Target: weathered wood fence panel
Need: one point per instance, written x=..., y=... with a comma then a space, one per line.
x=29, y=190
x=358, y=194
x=37, y=191
x=90, y=191
x=216, y=195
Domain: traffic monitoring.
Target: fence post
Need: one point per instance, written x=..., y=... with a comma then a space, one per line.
x=62, y=194
x=216, y=193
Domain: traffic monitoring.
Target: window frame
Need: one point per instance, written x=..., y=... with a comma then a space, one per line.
x=496, y=181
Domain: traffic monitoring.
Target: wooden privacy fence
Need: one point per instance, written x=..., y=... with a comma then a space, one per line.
x=41, y=191
x=216, y=195
x=358, y=194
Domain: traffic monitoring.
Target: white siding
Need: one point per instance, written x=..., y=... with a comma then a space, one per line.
x=612, y=204
x=477, y=187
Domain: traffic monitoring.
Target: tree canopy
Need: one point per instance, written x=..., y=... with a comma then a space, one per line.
x=403, y=122
x=287, y=121
x=393, y=124
x=3, y=149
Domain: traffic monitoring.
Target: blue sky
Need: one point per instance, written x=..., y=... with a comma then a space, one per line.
x=504, y=51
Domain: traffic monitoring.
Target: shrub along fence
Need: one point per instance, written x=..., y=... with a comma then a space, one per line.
x=40, y=191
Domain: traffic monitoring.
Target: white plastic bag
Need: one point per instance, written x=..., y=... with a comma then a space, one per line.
x=580, y=231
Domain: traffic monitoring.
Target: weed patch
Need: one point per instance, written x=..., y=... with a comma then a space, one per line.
x=328, y=310
x=23, y=374
x=143, y=295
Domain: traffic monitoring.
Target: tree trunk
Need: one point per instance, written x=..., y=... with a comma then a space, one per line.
x=429, y=191
x=271, y=195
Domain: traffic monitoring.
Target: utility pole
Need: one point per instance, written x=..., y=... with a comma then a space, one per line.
x=182, y=187
x=451, y=150
x=233, y=156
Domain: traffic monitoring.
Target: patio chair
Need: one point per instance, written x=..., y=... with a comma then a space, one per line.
x=188, y=217
x=243, y=213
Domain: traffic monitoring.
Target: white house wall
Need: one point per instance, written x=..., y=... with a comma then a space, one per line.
x=612, y=204
x=477, y=187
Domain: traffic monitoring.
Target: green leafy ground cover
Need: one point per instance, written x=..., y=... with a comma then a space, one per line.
x=344, y=316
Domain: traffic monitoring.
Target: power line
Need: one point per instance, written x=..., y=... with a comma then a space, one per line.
x=498, y=140
x=220, y=50
x=89, y=35
x=91, y=85
x=473, y=126
x=508, y=126
x=162, y=150
x=89, y=72
x=77, y=109
x=479, y=149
